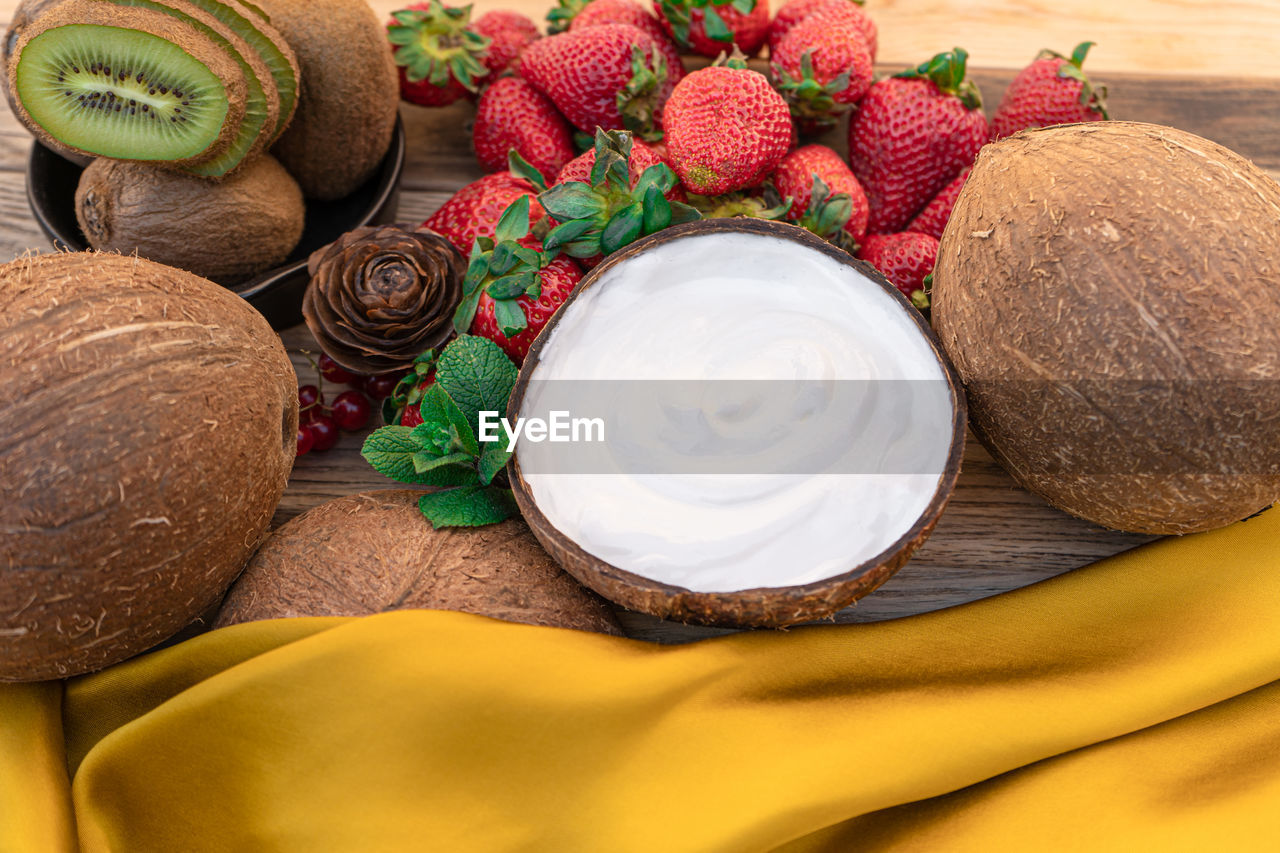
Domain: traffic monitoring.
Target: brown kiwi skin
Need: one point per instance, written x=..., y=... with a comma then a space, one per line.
x=224, y=230
x=350, y=93
x=257, y=18
x=28, y=11
x=256, y=65
x=160, y=24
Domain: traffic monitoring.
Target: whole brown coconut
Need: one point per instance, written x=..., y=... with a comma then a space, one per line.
x=225, y=230
x=148, y=420
x=374, y=552
x=350, y=93
x=1108, y=293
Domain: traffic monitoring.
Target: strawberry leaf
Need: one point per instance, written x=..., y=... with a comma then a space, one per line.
x=743, y=7
x=563, y=235
x=657, y=211
x=571, y=200
x=623, y=228
x=522, y=168
x=511, y=286
x=514, y=222
x=510, y=317
x=715, y=27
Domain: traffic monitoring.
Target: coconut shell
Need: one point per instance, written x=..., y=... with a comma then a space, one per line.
x=1108, y=293
x=374, y=552
x=766, y=607
x=160, y=24
x=350, y=94
x=149, y=419
x=226, y=230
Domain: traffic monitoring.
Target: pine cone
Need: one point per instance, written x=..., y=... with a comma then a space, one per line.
x=380, y=295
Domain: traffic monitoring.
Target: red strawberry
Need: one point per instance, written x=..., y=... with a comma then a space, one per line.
x=905, y=259
x=631, y=12
x=558, y=279
x=438, y=54
x=795, y=11
x=513, y=114
x=1051, y=90
x=611, y=76
x=642, y=157
x=509, y=33
x=795, y=176
x=710, y=29
x=474, y=210
x=912, y=135
x=822, y=66
x=512, y=288
x=726, y=128
x=934, y=217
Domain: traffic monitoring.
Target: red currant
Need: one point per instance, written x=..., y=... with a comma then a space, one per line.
x=324, y=432
x=380, y=387
x=309, y=398
x=305, y=441
x=351, y=410
x=335, y=372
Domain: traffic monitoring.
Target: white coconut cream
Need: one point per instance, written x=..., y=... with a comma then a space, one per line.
x=774, y=417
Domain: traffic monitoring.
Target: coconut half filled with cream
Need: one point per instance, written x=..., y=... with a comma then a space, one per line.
x=732, y=422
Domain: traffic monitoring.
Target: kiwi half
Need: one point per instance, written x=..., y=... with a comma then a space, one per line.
x=250, y=24
x=128, y=83
x=262, y=101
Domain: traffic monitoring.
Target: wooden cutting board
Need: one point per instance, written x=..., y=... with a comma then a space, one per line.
x=994, y=536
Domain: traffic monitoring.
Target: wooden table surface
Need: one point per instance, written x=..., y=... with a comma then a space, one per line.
x=1206, y=67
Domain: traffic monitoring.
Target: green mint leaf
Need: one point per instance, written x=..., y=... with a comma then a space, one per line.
x=477, y=375
x=468, y=506
x=424, y=461
x=437, y=407
x=390, y=451
x=571, y=200
x=493, y=461
x=514, y=222
x=510, y=317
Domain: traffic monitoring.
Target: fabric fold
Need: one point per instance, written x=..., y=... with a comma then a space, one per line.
x=418, y=729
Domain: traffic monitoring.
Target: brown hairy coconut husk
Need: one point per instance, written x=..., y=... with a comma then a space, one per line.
x=374, y=552
x=1108, y=293
x=149, y=423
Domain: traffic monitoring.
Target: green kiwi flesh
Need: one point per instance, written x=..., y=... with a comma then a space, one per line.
x=154, y=102
x=261, y=105
x=254, y=28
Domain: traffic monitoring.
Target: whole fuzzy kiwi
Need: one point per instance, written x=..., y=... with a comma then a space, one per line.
x=350, y=93
x=1108, y=293
x=226, y=230
x=374, y=552
x=148, y=420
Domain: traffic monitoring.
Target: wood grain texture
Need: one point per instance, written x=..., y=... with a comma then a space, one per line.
x=993, y=536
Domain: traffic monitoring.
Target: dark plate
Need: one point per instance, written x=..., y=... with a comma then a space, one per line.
x=277, y=293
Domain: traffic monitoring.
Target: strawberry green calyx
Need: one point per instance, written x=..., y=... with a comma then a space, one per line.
x=810, y=101
x=504, y=269
x=766, y=203
x=436, y=45
x=602, y=216
x=677, y=14
x=947, y=71
x=827, y=214
x=921, y=298
x=736, y=60
x=560, y=17
x=638, y=100
x=1092, y=97
x=411, y=387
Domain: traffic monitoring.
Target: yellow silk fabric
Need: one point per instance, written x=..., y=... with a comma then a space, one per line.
x=1131, y=705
